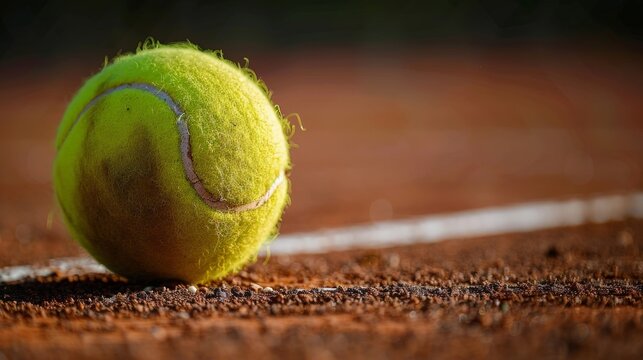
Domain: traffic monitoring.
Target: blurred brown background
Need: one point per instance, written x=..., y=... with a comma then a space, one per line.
x=409, y=109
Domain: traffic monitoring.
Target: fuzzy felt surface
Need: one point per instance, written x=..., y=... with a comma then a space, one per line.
x=120, y=179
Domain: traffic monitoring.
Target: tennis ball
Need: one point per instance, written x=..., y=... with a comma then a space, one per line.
x=172, y=164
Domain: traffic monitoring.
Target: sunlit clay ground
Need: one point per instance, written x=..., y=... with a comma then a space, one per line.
x=390, y=136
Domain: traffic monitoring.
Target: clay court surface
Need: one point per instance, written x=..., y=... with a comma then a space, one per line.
x=388, y=137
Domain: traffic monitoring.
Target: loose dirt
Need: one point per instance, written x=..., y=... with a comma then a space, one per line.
x=569, y=292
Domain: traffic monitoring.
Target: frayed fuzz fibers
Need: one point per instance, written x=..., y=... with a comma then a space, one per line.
x=172, y=164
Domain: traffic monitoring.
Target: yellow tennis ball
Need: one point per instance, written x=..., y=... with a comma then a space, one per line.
x=171, y=164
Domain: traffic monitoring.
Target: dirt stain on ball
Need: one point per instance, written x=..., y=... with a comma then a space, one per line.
x=127, y=213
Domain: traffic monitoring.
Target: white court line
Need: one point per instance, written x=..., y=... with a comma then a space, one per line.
x=472, y=223
x=466, y=224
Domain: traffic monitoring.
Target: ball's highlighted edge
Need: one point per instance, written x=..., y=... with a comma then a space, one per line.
x=186, y=153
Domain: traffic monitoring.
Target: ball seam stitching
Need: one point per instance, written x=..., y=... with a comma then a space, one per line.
x=185, y=149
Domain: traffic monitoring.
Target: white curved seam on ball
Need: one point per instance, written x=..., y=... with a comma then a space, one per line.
x=186, y=153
